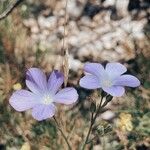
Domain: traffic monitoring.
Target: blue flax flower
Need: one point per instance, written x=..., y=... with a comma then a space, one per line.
x=44, y=94
x=111, y=78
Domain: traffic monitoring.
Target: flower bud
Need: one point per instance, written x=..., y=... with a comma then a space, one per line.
x=100, y=130
x=109, y=98
x=103, y=94
x=108, y=129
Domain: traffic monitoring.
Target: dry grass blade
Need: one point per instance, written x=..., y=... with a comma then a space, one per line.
x=66, y=67
x=65, y=51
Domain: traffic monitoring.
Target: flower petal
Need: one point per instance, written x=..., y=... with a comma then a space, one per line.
x=22, y=100
x=90, y=82
x=95, y=69
x=115, y=90
x=127, y=80
x=41, y=112
x=36, y=80
x=33, y=87
x=66, y=96
x=55, y=81
x=115, y=69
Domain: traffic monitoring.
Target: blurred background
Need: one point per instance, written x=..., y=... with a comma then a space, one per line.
x=96, y=31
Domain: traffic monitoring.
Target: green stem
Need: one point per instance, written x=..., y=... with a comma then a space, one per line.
x=93, y=119
x=62, y=133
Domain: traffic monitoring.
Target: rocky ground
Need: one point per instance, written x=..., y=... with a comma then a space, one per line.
x=95, y=31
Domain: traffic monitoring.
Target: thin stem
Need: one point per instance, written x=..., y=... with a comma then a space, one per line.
x=88, y=134
x=62, y=133
x=98, y=110
x=93, y=119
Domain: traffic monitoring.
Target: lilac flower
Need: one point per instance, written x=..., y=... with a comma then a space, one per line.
x=111, y=79
x=44, y=94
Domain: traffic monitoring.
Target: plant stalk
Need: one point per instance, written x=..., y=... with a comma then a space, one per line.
x=93, y=119
x=62, y=133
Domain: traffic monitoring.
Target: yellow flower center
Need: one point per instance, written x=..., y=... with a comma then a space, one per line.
x=47, y=100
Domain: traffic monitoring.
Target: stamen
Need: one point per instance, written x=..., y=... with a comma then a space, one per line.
x=107, y=83
x=47, y=100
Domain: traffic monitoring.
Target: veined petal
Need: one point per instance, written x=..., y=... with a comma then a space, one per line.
x=36, y=80
x=41, y=112
x=33, y=87
x=66, y=96
x=55, y=81
x=115, y=69
x=95, y=69
x=127, y=80
x=90, y=82
x=22, y=100
x=115, y=90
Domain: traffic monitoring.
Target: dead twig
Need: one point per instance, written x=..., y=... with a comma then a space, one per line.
x=10, y=8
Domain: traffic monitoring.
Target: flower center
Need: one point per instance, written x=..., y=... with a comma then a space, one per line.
x=47, y=100
x=107, y=83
